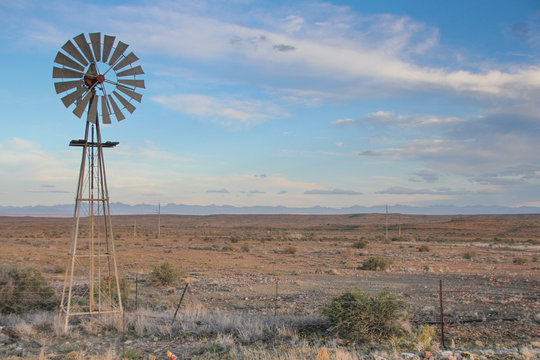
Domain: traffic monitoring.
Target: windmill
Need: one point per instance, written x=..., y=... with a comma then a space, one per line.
x=92, y=74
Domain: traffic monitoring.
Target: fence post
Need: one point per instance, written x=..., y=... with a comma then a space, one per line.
x=442, y=317
x=136, y=292
x=179, y=303
x=275, y=309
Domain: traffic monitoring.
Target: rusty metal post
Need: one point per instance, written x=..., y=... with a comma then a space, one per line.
x=179, y=303
x=442, y=311
x=136, y=292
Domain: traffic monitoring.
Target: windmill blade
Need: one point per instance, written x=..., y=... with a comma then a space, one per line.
x=108, y=42
x=85, y=48
x=64, y=73
x=129, y=59
x=131, y=94
x=92, y=112
x=81, y=105
x=105, y=110
x=116, y=109
x=137, y=70
x=129, y=106
x=135, y=83
x=120, y=48
x=67, y=61
x=72, y=50
x=66, y=85
x=71, y=97
x=95, y=39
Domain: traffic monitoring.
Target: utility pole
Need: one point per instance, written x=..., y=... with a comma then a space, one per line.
x=159, y=220
x=386, y=218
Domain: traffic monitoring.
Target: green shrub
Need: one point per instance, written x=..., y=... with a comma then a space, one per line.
x=469, y=255
x=25, y=289
x=360, y=244
x=424, y=248
x=131, y=354
x=375, y=263
x=165, y=274
x=108, y=288
x=357, y=316
x=520, y=261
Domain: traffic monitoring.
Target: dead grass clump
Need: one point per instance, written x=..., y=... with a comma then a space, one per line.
x=470, y=255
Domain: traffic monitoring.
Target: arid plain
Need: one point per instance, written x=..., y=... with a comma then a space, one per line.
x=293, y=264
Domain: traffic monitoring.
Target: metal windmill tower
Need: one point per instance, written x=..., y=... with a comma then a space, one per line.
x=90, y=73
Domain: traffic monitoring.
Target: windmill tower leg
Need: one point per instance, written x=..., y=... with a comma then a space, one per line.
x=91, y=283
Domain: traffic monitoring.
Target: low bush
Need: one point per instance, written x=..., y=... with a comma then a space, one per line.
x=375, y=263
x=357, y=316
x=360, y=244
x=424, y=248
x=108, y=288
x=469, y=255
x=291, y=250
x=520, y=260
x=165, y=274
x=25, y=289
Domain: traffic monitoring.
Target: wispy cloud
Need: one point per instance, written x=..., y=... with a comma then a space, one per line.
x=219, y=191
x=398, y=190
x=331, y=192
x=225, y=111
x=391, y=119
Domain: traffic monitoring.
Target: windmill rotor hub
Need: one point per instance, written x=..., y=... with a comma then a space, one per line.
x=100, y=78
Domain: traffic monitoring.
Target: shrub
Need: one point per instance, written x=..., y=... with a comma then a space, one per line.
x=520, y=261
x=360, y=244
x=357, y=316
x=165, y=274
x=375, y=263
x=424, y=248
x=289, y=250
x=131, y=354
x=25, y=289
x=245, y=248
x=234, y=239
x=469, y=255
x=108, y=288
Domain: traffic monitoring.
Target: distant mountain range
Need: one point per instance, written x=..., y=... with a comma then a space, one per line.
x=181, y=209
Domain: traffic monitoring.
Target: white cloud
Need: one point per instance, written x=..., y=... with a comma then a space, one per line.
x=227, y=112
x=390, y=118
x=335, y=52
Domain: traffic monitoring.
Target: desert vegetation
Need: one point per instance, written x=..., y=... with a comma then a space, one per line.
x=282, y=287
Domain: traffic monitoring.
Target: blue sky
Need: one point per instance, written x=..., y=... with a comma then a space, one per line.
x=286, y=103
